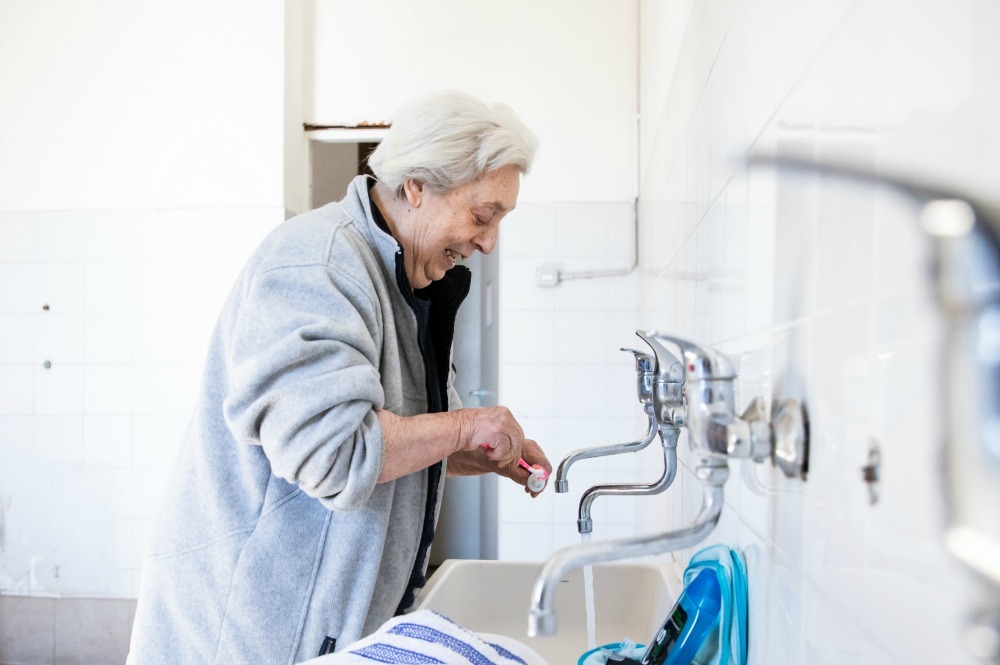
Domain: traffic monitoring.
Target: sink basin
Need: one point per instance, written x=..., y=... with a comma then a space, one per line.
x=631, y=601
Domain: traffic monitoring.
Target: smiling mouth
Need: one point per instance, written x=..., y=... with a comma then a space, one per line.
x=454, y=256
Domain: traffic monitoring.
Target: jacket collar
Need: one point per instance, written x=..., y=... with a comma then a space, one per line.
x=358, y=206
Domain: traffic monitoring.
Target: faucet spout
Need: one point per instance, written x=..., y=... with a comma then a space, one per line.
x=668, y=437
x=542, y=618
x=562, y=483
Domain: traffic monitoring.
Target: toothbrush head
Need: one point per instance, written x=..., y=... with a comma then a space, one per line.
x=537, y=479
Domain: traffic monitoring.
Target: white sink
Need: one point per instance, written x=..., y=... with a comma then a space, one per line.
x=631, y=601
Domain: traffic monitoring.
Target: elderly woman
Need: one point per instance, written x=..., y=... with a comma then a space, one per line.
x=302, y=508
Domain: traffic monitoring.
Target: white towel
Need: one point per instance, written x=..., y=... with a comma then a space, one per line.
x=426, y=637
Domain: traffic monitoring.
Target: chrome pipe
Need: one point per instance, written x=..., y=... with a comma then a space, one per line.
x=668, y=437
x=562, y=484
x=542, y=618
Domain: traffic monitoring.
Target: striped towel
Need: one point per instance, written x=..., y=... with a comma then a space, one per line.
x=428, y=638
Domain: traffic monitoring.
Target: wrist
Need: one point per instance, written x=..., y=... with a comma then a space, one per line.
x=463, y=430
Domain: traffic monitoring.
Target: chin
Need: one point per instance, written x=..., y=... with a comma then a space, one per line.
x=426, y=281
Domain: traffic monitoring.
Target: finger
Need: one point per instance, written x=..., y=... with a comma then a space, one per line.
x=517, y=427
x=533, y=455
x=514, y=448
x=501, y=452
x=510, y=422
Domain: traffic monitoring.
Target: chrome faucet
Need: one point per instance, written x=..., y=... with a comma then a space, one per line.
x=658, y=387
x=714, y=429
x=668, y=380
x=703, y=403
x=668, y=437
x=542, y=617
x=562, y=482
x=660, y=392
x=646, y=376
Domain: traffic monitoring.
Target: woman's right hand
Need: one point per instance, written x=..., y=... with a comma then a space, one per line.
x=495, y=429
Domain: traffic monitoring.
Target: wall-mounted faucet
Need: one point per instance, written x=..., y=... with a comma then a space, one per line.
x=704, y=403
x=646, y=372
x=562, y=472
x=668, y=437
x=658, y=387
x=667, y=399
x=714, y=429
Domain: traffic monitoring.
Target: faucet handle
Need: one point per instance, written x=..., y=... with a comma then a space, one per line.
x=645, y=365
x=643, y=361
x=700, y=362
x=667, y=367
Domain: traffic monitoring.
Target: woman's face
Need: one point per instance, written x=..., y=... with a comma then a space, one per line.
x=450, y=226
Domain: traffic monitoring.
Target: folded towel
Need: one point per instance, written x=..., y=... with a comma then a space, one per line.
x=426, y=637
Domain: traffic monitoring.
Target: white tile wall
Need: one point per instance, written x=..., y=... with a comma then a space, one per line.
x=130, y=224
x=822, y=293
x=816, y=288
x=132, y=296
x=561, y=371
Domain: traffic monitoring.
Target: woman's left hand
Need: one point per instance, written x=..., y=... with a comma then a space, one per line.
x=470, y=463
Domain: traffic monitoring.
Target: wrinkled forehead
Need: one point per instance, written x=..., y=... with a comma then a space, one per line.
x=496, y=190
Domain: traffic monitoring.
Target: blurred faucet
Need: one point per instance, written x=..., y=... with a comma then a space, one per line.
x=704, y=404
x=965, y=231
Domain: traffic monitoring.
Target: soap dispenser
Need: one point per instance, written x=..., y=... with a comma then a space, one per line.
x=689, y=624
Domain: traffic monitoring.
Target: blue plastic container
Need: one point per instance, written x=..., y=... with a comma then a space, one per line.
x=591, y=657
x=730, y=569
x=694, y=616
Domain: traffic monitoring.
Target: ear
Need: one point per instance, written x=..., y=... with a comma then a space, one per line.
x=414, y=191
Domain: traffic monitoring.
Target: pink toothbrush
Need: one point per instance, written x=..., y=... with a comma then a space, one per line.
x=536, y=481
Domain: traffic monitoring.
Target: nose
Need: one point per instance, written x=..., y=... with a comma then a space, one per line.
x=487, y=240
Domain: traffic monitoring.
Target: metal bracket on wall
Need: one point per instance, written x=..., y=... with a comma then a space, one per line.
x=871, y=472
x=550, y=274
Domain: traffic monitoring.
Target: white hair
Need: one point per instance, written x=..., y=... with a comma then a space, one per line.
x=446, y=139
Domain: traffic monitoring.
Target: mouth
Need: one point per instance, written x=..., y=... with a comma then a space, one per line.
x=453, y=256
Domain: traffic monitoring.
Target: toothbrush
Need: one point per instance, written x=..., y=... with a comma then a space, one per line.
x=537, y=477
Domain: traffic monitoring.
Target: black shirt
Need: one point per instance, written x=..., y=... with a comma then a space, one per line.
x=435, y=308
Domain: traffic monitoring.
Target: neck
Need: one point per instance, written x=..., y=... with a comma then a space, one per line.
x=390, y=206
x=394, y=210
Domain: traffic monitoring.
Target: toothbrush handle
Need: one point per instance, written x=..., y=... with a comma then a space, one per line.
x=520, y=461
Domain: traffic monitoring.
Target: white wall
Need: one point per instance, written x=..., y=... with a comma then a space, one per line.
x=139, y=104
x=819, y=291
x=140, y=162
x=145, y=147
x=562, y=373
x=568, y=68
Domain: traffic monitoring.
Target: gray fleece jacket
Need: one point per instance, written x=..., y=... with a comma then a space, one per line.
x=275, y=539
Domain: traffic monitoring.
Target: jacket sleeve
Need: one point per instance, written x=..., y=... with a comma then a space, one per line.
x=304, y=381
x=454, y=399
